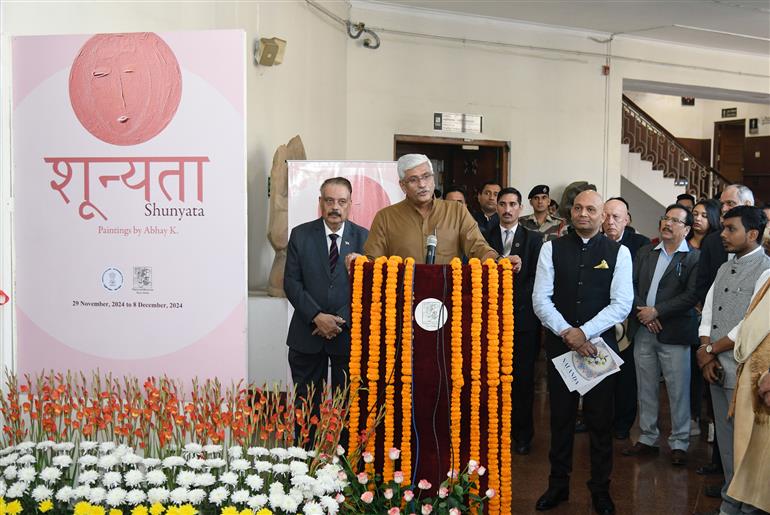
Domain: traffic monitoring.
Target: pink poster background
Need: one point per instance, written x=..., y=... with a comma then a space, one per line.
x=177, y=303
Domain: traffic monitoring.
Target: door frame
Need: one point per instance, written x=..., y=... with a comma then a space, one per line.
x=717, y=138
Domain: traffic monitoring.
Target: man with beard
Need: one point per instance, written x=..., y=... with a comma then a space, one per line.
x=486, y=217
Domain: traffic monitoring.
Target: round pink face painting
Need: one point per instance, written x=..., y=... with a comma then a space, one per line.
x=125, y=88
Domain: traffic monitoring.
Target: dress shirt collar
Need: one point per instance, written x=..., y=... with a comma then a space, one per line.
x=338, y=232
x=683, y=247
x=512, y=229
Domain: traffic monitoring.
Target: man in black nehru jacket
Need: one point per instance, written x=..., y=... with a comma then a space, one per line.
x=583, y=287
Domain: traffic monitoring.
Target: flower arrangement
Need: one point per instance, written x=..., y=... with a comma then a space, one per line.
x=457, y=359
x=391, y=291
x=406, y=370
x=476, y=314
x=493, y=378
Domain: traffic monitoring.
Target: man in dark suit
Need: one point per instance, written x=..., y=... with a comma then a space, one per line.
x=318, y=287
x=663, y=327
x=486, y=217
x=511, y=239
x=616, y=228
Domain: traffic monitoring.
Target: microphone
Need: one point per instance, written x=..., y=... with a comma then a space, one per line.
x=430, y=255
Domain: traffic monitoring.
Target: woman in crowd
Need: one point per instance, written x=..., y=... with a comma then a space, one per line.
x=705, y=216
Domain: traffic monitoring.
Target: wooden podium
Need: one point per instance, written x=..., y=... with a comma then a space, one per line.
x=433, y=344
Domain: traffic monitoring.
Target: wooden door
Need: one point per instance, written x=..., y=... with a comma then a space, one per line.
x=729, y=140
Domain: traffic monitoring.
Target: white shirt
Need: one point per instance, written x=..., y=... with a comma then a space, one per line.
x=513, y=233
x=338, y=232
x=705, y=322
x=621, y=295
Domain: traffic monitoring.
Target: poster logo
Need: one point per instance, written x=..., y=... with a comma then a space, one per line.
x=142, y=278
x=112, y=279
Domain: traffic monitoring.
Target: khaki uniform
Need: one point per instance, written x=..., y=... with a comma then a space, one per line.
x=553, y=227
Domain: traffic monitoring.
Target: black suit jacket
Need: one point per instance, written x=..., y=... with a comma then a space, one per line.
x=633, y=240
x=712, y=255
x=312, y=288
x=526, y=244
x=484, y=224
x=676, y=297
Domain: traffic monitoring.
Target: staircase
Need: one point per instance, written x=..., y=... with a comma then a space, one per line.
x=656, y=163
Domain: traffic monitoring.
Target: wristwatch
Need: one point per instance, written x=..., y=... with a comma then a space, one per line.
x=709, y=349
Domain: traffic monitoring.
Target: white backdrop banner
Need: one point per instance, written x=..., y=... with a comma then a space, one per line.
x=130, y=194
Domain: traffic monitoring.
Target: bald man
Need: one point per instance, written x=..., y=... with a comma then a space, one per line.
x=583, y=287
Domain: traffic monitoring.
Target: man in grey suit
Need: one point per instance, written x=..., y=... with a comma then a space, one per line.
x=663, y=328
x=318, y=287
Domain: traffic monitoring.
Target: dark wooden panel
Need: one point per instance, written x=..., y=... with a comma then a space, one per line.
x=760, y=186
x=753, y=165
x=700, y=148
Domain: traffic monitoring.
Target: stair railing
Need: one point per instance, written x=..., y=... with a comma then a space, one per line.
x=655, y=144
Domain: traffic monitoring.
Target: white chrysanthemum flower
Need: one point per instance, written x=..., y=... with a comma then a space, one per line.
x=10, y=472
x=88, y=446
x=204, y=479
x=298, y=453
x=27, y=459
x=151, y=462
x=116, y=497
x=121, y=450
x=258, y=501
x=255, y=482
x=41, y=493
x=215, y=463
x=219, y=495
x=156, y=477
x=279, y=453
x=27, y=474
x=193, y=448
x=97, y=495
x=212, y=448
x=229, y=478
x=174, y=461
x=2, y=487
x=235, y=452
x=64, y=494
x=9, y=460
x=330, y=504
x=185, y=478
x=108, y=461
x=16, y=490
x=134, y=497
x=239, y=465
x=88, y=460
x=240, y=497
x=311, y=453
x=7, y=450
x=131, y=459
x=281, y=468
x=288, y=503
x=62, y=461
x=50, y=474
x=45, y=445
x=262, y=466
x=196, y=496
x=196, y=463
x=298, y=468
x=112, y=479
x=87, y=477
x=312, y=508
x=133, y=477
x=63, y=447
x=26, y=446
x=106, y=447
x=257, y=451
x=157, y=495
x=178, y=495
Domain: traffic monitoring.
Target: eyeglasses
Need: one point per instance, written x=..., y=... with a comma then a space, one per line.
x=665, y=219
x=329, y=201
x=417, y=179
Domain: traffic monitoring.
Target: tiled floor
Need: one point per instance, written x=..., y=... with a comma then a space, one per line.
x=644, y=486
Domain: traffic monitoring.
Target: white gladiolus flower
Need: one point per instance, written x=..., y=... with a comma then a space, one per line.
x=133, y=477
x=108, y=461
x=88, y=460
x=41, y=493
x=258, y=501
x=174, y=461
x=97, y=495
x=262, y=466
x=11, y=472
x=257, y=451
x=235, y=452
x=205, y=479
x=280, y=468
x=196, y=496
x=157, y=495
x=106, y=447
x=195, y=463
x=219, y=495
x=185, y=478
x=62, y=461
x=212, y=448
x=239, y=465
x=178, y=495
x=87, y=477
x=255, y=482
x=50, y=474
x=193, y=448
x=134, y=497
x=229, y=478
x=27, y=474
x=151, y=462
x=240, y=497
x=116, y=497
x=64, y=494
x=156, y=477
x=215, y=463
x=279, y=453
x=27, y=459
x=16, y=490
x=88, y=446
x=111, y=479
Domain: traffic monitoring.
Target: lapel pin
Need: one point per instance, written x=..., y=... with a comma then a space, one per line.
x=517, y=244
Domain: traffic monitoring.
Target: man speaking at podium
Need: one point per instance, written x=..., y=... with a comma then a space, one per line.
x=411, y=227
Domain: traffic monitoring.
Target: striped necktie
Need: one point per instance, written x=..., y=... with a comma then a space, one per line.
x=334, y=252
x=507, y=242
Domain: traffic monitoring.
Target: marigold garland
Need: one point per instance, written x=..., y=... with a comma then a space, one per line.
x=406, y=370
x=457, y=360
x=476, y=298
x=493, y=382
x=506, y=358
x=356, y=311
x=391, y=288
x=373, y=364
